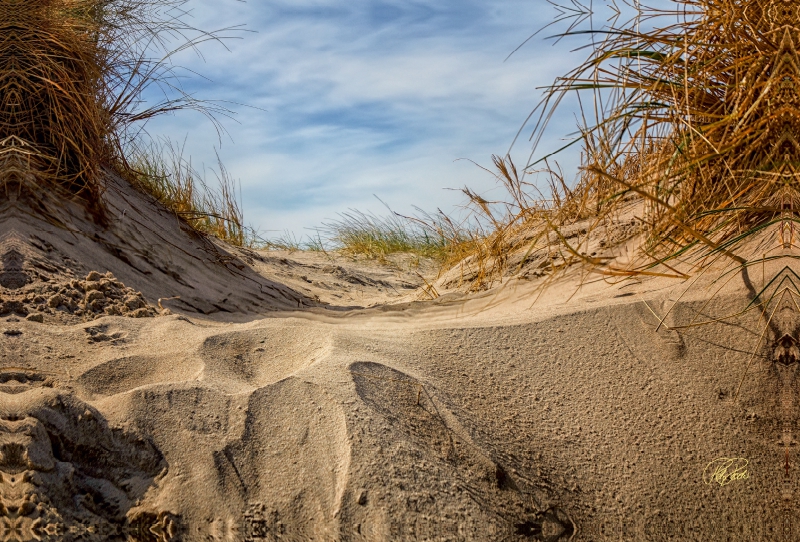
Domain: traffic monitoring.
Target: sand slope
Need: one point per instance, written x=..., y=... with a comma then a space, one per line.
x=574, y=421
x=143, y=245
x=485, y=417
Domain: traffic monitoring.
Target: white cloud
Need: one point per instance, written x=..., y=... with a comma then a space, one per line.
x=364, y=98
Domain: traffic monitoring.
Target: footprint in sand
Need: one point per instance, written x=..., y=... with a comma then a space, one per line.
x=237, y=362
x=126, y=373
x=66, y=474
x=422, y=440
x=291, y=464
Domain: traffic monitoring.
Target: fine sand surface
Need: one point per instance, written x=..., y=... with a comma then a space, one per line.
x=482, y=417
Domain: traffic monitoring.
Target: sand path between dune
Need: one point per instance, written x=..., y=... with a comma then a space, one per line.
x=490, y=419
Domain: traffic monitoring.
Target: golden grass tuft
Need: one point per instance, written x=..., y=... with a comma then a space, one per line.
x=701, y=120
x=73, y=74
x=693, y=134
x=508, y=235
x=162, y=171
x=54, y=127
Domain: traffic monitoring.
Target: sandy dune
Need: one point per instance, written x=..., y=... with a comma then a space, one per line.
x=236, y=415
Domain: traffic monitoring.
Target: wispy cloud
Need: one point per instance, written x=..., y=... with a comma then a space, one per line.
x=351, y=99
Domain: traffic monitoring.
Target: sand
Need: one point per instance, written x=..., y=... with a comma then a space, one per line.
x=313, y=397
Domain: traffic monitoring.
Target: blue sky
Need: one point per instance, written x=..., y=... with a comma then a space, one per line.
x=356, y=98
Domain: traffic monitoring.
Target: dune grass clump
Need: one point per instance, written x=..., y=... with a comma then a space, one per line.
x=690, y=128
x=55, y=128
x=162, y=171
x=431, y=236
x=435, y=236
x=485, y=240
x=695, y=112
x=73, y=74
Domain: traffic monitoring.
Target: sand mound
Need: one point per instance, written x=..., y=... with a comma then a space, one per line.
x=64, y=301
x=142, y=245
x=239, y=361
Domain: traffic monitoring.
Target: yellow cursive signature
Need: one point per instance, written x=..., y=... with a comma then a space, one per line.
x=725, y=470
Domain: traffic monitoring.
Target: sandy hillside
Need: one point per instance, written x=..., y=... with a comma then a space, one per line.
x=306, y=397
